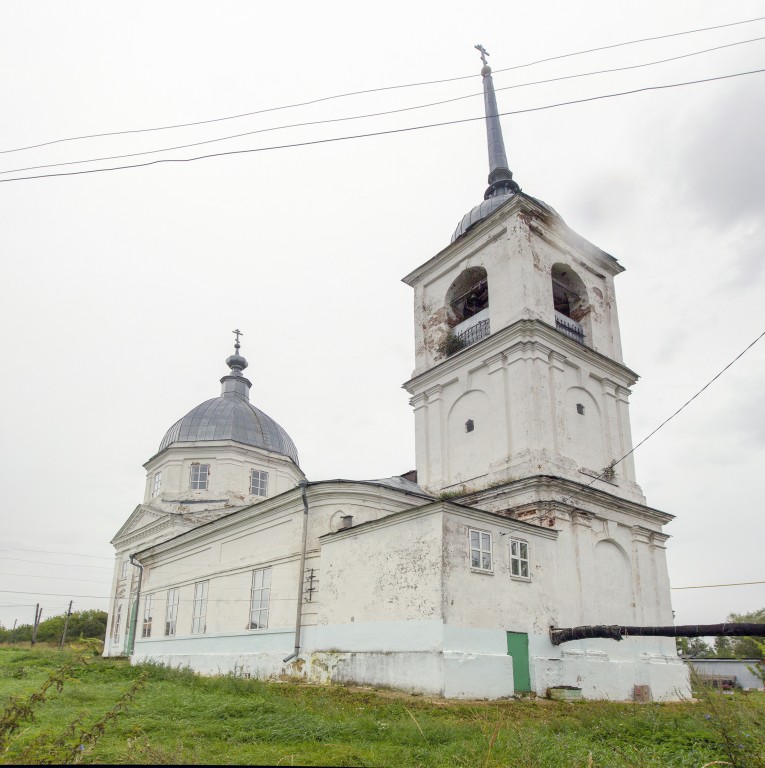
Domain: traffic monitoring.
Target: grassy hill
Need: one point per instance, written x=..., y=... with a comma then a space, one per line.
x=105, y=711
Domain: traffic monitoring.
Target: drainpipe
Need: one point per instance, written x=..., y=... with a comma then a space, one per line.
x=134, y=614
x=299, y=616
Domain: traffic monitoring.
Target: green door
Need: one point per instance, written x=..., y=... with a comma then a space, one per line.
x=518, y=648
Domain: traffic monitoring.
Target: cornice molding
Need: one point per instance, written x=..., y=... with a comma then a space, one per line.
x=526, y=335
x=439, y=507
x=585, y=496
x=289, y=502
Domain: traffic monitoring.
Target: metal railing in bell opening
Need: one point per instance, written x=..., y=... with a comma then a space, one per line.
x=569, y=327
x=475, y=333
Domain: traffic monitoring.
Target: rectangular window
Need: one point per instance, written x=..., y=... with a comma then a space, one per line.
x=258, y=483
x=519, y=558
x=116, y=623
x=261, y=597
x=198, y=478
x=171, y=611
x=199, y=616
x=156, y=485
x=480, y=550
x=148, y=610
x=123, y=572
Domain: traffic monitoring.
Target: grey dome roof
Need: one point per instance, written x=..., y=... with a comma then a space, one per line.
x=488, y=206
x=479, y=213
x=231, y=417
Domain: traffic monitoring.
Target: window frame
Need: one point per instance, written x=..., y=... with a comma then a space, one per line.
x=480, y=568
x=148, y=616
x=156, y=484
x=199, y=607
x=116, y=621
x=171, y=611
x=262, y=483
x=520, y=559
x=259, y=587
x=124, y=568
x=195, y=484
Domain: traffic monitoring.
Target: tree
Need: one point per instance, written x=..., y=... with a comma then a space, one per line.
x=694, y=647
x=747, y=647
x=724, y=647
x=82, y=624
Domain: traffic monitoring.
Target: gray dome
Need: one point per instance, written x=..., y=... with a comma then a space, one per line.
x=488, y=206
x=479, y=213
x=231, y=418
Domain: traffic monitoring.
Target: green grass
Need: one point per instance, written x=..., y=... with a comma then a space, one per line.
x=180, y=718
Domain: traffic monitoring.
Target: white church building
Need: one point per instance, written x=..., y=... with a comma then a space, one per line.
x=447, y=580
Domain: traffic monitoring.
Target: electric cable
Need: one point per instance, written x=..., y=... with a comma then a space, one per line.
x=710, y=586
x=57, y=594
x=608, y=469
x=58, y=565
x=377, y=114
x=57, y=577
x=372, y=134
x=382, y=88
x=49, y=552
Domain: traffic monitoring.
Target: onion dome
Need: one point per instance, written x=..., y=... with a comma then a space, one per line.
x=231, y=417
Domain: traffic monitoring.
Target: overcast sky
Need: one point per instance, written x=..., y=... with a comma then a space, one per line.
x=119, y=290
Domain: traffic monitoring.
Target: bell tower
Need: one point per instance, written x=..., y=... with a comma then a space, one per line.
x=518, y=361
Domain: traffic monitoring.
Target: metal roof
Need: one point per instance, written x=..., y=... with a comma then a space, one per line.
x=232, y=417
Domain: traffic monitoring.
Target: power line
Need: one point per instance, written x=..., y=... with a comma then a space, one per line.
x=377, y=114
x=389, y=132
x=58, y=565
x=56, y=577
x=56, y=594
x=710, y=586
x=666, y=421
x=381, y=88
x=49, y=552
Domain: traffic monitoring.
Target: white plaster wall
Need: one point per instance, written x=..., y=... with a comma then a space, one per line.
x=229, y=477
x=386, y=573
x=269, y=534
x=497, y=600
x=521, y=388
x=517, y=247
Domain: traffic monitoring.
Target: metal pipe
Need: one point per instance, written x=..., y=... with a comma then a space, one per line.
x=134, y=616
x=560, y=635
x=299, y=613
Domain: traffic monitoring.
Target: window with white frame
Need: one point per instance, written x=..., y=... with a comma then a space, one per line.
x=148, y=611
x=480, y=550
x=171, y=611
x=123, y=572
x=116, y=623
x=519, y=558
x=198, y=477
x=258, y=483
x=199, y=615
x=261, y=597
x=156, y=484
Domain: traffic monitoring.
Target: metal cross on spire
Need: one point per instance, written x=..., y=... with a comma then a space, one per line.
x=237, y=333
x=484, y=54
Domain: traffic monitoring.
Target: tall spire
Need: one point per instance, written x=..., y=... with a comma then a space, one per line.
x=500, y=176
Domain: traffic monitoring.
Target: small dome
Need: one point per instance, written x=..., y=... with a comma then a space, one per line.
x=488, y=206
x=231, y=418
x=479, y=213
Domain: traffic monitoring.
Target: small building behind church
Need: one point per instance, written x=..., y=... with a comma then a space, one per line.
x=521, y=515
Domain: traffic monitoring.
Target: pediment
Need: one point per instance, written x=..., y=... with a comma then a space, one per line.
x=141, y=517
